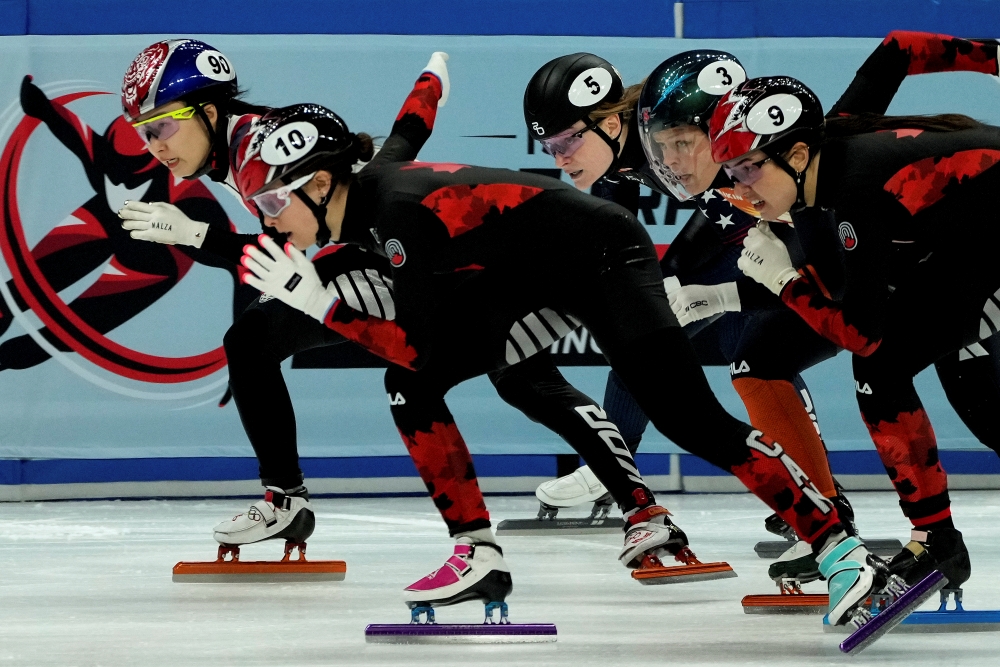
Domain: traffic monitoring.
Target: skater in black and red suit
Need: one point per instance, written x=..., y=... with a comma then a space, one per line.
x=470, y=247
x=905, y=203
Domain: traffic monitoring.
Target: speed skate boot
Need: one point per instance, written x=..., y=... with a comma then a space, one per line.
x=579, y=487
x=857, y=579
x=651, y=539
x=475, y=571
x=941, y=549
x=282, y=514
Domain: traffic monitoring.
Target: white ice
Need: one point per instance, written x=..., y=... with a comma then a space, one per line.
x=89, y=583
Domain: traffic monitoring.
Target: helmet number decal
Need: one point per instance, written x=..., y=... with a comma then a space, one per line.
x=215, y=66
x=721, y=76
x=289, y=143
x=774, y=114
x=590, y=87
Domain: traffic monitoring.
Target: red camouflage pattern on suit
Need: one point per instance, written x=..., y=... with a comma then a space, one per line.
x=445, y=464
x=931, y=52
x=909, y=452
x=465, y=207
x=381, y=337
x=825, y=317
x=923, y=183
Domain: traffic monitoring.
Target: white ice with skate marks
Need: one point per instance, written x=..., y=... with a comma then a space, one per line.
x=89, y=584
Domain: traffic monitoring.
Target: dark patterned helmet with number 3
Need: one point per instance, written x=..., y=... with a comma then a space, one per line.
x=566, y=90
x=682, y=91
x=770, y=113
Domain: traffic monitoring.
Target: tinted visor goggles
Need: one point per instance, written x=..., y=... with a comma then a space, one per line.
x=566, y=143
x=273, y=202
x=746, y=172
x=164, y=125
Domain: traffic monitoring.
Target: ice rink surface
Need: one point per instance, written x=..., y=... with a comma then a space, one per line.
x=89, y=583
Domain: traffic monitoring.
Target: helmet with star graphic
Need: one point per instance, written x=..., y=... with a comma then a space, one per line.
x=683, y=90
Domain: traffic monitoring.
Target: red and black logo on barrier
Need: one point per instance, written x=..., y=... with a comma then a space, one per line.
x=31, y=284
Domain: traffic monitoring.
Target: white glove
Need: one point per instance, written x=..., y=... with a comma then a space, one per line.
x=671, y=284
x=691, y=303
x=436, y=66
x=765, y=259
x=161, y=222
x=290, y=277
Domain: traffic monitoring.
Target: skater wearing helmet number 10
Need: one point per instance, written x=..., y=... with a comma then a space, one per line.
x=601, y=144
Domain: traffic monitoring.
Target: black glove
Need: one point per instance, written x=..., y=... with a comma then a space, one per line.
x=33, y=100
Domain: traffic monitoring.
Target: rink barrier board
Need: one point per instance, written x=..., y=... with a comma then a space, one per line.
x=66, y=479
x=691, y=18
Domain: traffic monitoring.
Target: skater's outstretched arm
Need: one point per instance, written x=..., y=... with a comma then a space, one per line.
x=903, y=53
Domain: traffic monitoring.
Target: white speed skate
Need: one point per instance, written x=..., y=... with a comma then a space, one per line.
x=475, y=571
x=652, y=540
x=579, y=487
x=278, y=515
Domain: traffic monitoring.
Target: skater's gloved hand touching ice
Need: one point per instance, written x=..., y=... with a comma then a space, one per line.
x=765, y=259
x=288, y=276
x=691, y=303
x=437, y=66
x=161, y=222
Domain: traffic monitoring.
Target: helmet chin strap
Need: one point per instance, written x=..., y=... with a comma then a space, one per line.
x=798, y=176
x=218, y=152
x=613, y=144
x=318, y=210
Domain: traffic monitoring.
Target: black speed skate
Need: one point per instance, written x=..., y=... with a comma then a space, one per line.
x=941, y=549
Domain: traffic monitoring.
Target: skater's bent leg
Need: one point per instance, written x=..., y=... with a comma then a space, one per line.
x=685, y=410
x=904, y=438
x=971, y=382
x=256, y=344
x=625, y=412
x=537, y=388
x=775, y=407
x=437, y=448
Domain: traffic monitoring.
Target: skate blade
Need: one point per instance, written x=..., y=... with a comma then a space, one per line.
x=683, y=574
x=804, y=603
x=894, y=614
x=771, y=549
x=460, y=633
x=583, y=526
x=939, y=622
x=240, y=572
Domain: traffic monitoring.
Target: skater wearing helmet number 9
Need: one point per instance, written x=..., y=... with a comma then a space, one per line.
x=673, y=110
x=906, y=201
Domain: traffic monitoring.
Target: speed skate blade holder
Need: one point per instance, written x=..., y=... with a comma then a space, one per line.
x=460, y=633
x=653, y=572
x=944, y=619
x=791, y=600
x=234, y=570
x=771, y=549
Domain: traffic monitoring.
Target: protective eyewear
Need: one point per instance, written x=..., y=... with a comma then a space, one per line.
x=745, y=172
x=164, y=125
x=566, y=144
x=273, y=202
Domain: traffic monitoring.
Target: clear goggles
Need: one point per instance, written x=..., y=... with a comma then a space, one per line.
x=566, y=143
x=746, y=172
x=164, y=125
x=273, y=202
x=667, y=179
